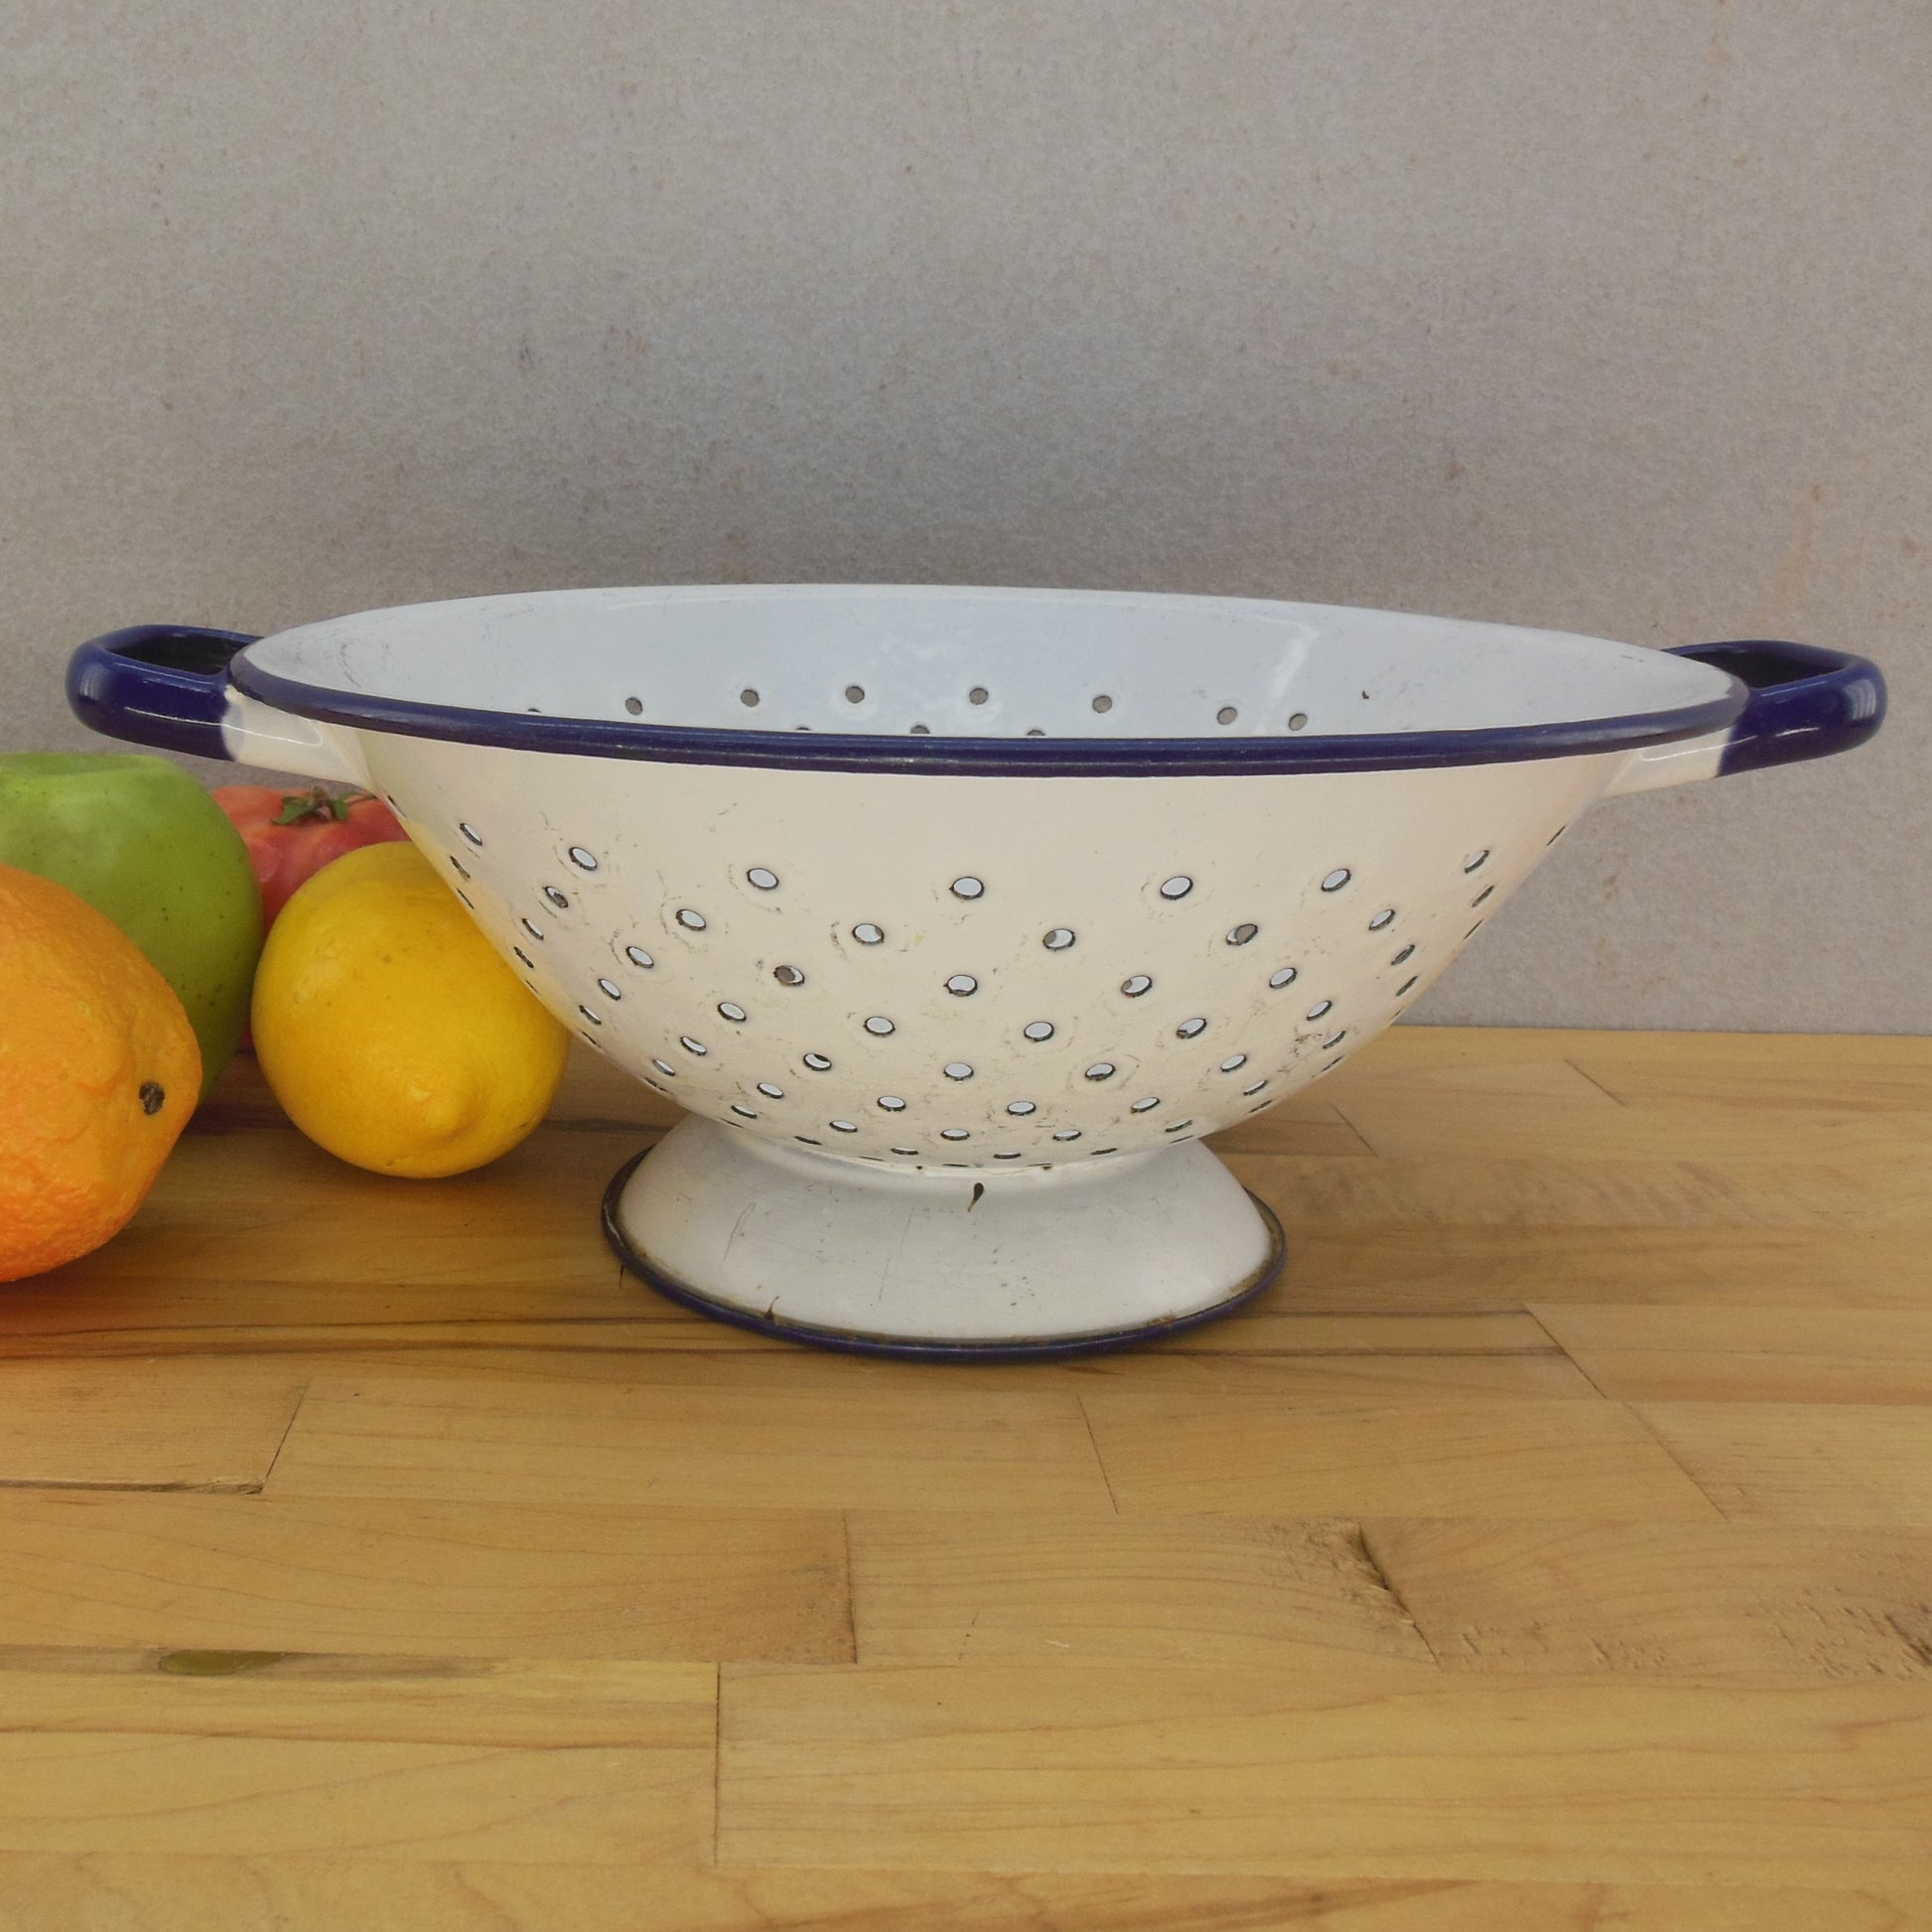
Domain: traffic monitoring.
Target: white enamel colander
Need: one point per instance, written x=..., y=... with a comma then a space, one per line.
x=955, y=917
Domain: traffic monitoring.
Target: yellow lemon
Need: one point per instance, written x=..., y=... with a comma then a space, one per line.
x=391, y=1031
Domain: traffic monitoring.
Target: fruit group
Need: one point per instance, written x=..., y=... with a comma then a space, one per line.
x=98, y=1073
x=388, y=1028
x=292, y=835
x=141, y=842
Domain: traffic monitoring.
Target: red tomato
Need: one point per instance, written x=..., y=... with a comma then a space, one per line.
x=292, y=835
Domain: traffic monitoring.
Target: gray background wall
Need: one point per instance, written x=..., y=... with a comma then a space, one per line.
x=1613, y=317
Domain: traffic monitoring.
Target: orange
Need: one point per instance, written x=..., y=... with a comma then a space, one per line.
x=98, y=1073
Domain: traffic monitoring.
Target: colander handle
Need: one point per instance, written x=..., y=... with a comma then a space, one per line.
x=166, y=685
x=1802, y=702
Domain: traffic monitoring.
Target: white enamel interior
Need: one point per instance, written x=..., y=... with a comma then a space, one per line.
x=976, y=663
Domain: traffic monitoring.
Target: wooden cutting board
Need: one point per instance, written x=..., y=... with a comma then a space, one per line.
x=1550, y=1548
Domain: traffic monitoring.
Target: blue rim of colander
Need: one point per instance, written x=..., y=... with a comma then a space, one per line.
x=175, y=686
x=1028, y=757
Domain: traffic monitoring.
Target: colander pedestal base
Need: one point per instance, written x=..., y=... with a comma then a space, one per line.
x=940, y=1263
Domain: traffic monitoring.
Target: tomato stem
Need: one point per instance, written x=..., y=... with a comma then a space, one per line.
x=318, y=802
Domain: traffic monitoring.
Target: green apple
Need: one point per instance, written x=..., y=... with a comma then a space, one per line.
x=140, y=841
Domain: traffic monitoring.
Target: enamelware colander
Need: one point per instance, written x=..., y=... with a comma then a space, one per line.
x=955, y=917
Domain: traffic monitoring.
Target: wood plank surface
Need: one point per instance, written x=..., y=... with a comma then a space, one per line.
x=550, y=1763
x=561, y=1704
x=131, y=1791
x=267, y=1207
x=1646, y=1352
x=1837, y=1072
x=1434, y=1266
x=1295, y=1352
x=421, y=1579
x=1293, y=1129
x=1517, y=1111
x=1352, y=1772
x=1561, y=1188
x=1709, y=1599
x=173, y=1424
x=648, y=1340
x=1499, y=1127
x=1804, y=1461
x=542, y=1442
x=1322, y=1377
x=1550, y=1548
x=1253, y=1456
x=1175, y=1590
x=110, y=1892
x=1411, y=1051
